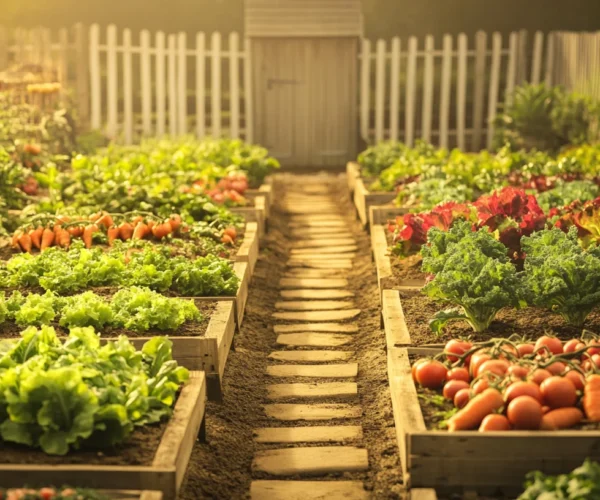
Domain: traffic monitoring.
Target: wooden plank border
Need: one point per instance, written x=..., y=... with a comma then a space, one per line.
x=254, y=214
x=364, y=199
x=248, y=251
x=381, y=257
x=394, y=324
x=381, y=214
x=166, y=472
x=352, y=174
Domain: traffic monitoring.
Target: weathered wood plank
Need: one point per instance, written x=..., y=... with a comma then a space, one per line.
x=322, y=242
x=311, y=305
x=347, y=370
x=315, y=434
x=322, y=294
x=315, y=411
x=307, y=490
x=314, y=339
x=320, y=264
x=291, y=283
x=317, y=327
x=312, y=391
x=318, y=315
x=394, y=324
x=326, y=249
x=312, y=356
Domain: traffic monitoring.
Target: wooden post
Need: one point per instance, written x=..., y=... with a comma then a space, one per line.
x=215, y=105
x=512, y=68
x=379, y=89
x=538, y=51
x=112, y=76
x=63, y=58
x=172, y=83
x=522, y=64
x=127, y=88
x=365, y=76
x=95, y=82
x=445, y=91
x=411, y=87
x=201, y=84
x=494, y=84
x=146, y=82
x=160, y=84
x=234, y=86
x=395, y=89
x=461, y=91
x=479, y=90
x=248, y=93
x=182, y=82
x=548, y=77
x=428, y=77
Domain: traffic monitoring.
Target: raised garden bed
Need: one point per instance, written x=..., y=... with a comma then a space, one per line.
x=352, y=173
x=256, y=213
x=364, y=199
x=266, y=190
x=156, y=468
x=248, y=250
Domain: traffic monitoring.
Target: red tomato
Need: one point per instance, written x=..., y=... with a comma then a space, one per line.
x=576, y=378
x=47, y=493
x=556, y=368
x=431, y=374
x=558, y=392
x=495, y=366
x=456, y=347
x=595, y=349
x=452, y=387
x=591, y=362
x=547, y=343
x=518, y=372
x=521, y=388
x=524, y=413
x=413, y=369
x=476, y=361
x=458, y=373
x=508, y=351
x=525, y=349
x=573, y=345
x=494, y=422
x=461, y=398
x=539, y=375
x=481, y=385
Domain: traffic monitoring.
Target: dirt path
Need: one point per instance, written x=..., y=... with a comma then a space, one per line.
x=306, y=395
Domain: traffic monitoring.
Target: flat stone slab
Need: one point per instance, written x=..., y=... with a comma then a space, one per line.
x=340, y=249
x=346, y=370
x=311, y=356
x=315, y=411
x=318, y=315
x=312, y=305
x=320, y=264
x=322, y=242
x=307, y=490
x=314, y=339
x=311, y=461
x=317, y=327
x=312, y=391
x=291, y=283
x=316, y=434
x=316, y=294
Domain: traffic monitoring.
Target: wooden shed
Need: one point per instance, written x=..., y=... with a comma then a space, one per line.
x=304, y=63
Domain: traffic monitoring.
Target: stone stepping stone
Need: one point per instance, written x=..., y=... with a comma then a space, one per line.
x=311, y=356
x=312, y=391
x=321, y=256
x=314, y=339
x=320, y=264
x=311, y=461
x=315, y=411
x=317, y=327
x=316, y=434
x=318, y=315
x=346, y=370
x=311, y=305
x=293, y=283
x=323, y=242
x=307, y=490
x=342, y=249
x=316, y=294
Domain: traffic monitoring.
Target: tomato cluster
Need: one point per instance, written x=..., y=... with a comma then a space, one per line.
x=503, y=384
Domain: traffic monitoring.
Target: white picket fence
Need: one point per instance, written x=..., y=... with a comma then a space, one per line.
x=446, y=83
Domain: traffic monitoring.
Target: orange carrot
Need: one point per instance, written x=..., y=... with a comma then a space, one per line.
x=112, y=234
x=14, y=242
x=226, y=239
x=151, y=223
x=141, y=231
x=75, y=231
x=161, y=230
x=36, y=237
x=88, y=233
x=125, y=231
x=47, y=238
x=591, y=398
x=136, y=219
x=25, y=242
x=106, y=220
x=175, y=221
x=96, y=216
x=476, y=410
x=561, y=418
x=63, y=238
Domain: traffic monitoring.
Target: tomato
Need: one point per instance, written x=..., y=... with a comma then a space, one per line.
x=456, y=347
x=481, y=385
x=413, y=369
x=508, y=351
x=556, y=368
x=47, y=493
x=595, y=349
x=525, y=349
x=594, y=360
x=524, y=413
x=546, y=343
x=431, y=374
x=539, y=375
x=452, y=387
x=592, y=383
x=476, y=361
x=573, y=345
x=495, y=366
x=545, y=409
x=521, y=388
x=558, y=392
x=518, y=372
x=458, y=373
x=494, y=422
x=461, y=398
x=576, y=378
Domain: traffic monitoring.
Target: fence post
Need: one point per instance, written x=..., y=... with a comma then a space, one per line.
x=46, y=37
x=461, y=90
x=511, y=72
x=146, y=82
x=161, y=115
x=201, y=85
x=427, y=111
x=479, y=90
x=538, y=50
x=521, y=73
x=395, y=89
x=234, y=86
x=365, y=74
x=411, y=85
x=63, y=57
x=3, y=48
x=172, y=83
x=182, y=81
x=445, y=91
x=215, y=90
x=548, y=77
x=379, y=89
x=248, y=94
x=95, y=83
x=112, y=94
x=127, y=88
x=494, y=84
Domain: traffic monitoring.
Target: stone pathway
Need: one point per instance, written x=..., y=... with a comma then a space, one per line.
x=316, y=327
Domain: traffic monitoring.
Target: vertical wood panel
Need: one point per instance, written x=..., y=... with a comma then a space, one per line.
x=95, y=82
x=461, y=91
x=445, y=91
x=479, y=89
x=511, y=72
x=523, y=57
x=395, y=88
x=3, y=48
x=215, y=88
x=538, y=50
x=172, y=82
x=549, y=59
x=161, y=115
x=494, y=85
x=411, y=85
x=200, y=85
x=112, y=78
x=379, y=89
x=127, y=88
x=63, y=57
x=248, y=65
x=146, y=82
x=83, y=50
x=365, y=87
x=182, y=83
x=234, y=85
x=46, y=37
x=427, y=111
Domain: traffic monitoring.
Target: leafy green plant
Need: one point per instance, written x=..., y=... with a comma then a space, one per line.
x=568, y=192
x=582, y=483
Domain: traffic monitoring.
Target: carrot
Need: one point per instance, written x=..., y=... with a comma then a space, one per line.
x=175, y=221
x=36, y=236
x=562, y=418
x=141, y=231
x=88, y=233
x=161, y=230
x=106, y=220
x=47, y=238
x=113, y=234
x=476, y=410
x=591, y=398
x=125, y=231
x=96, y=216
x=136, y=219
x=14, y=242
x=226, y=239
x=75, y=231
x=63, y=238
x=151, y=223
x=25, y=242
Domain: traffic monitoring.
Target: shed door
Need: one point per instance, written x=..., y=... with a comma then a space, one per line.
x=305, y=99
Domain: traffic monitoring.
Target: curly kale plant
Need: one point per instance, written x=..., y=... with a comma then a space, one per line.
x=560, y=275
x=474, y=274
